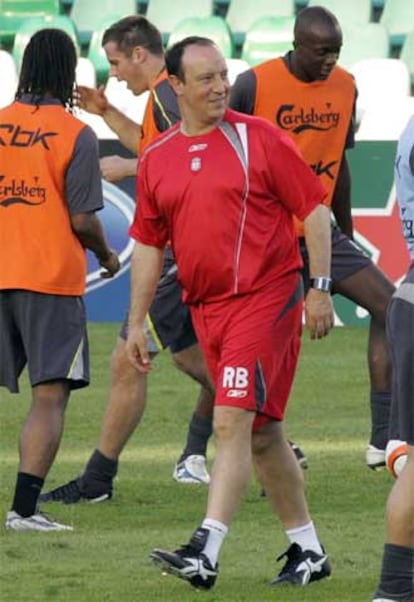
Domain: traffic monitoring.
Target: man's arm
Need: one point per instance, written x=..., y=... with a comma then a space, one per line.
x=146, y=266
x=89, y=232
x=94, y=101
x=318, y=303
x=341, y=200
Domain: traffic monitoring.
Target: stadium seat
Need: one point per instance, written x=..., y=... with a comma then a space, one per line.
x=368, y=41
x=385, y=120
x=14, y=12
x=213, y=27
x=96, y=53
x=243, y=13
x=385, y=80
x=86, y=14
x=407, y=54
x=30, y=26
x=267, y=38
x=235, y=67
x=166, y=14
x=348, y=12
x=124, y=100
x=85, y=73
x=9, y=78
x=398, y=18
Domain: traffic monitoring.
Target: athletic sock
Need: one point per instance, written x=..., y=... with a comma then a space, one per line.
x=26, y=493
x=217, y=533
x=397, y=573
x=305, y=536
x=99, y=473
x=199, y=432
x=380, y=418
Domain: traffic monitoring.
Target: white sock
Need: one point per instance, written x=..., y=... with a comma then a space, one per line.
x=306, y=537
x=217, y=533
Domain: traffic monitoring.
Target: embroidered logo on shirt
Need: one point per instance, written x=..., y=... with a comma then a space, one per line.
x=197, y=147
x=195, y=164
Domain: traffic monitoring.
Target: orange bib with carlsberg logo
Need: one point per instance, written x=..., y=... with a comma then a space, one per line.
x=317, y=115
x=39, y=250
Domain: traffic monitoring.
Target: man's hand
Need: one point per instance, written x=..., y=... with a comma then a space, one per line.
x=137, y=349
x=93, y=100
x=319, y=314
x=115, y=168
x=111, y=265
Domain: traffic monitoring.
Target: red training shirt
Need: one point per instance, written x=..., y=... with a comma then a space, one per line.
x=228, y=213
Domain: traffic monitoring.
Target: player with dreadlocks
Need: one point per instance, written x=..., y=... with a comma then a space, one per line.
x=50, y=189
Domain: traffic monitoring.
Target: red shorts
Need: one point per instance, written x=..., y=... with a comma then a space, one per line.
x=251, y=345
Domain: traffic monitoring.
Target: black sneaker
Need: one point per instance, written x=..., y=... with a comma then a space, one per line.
x=300, y=456
x=302, y=566
x=189, y=562
x=75, y=491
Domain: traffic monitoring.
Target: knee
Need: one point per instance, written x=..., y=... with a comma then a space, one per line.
x=265, y=438
x=121, y=367
x=51, y=397
x=194, y=367
x=229, y=423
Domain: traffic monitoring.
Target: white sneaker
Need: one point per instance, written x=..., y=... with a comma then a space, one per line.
x=375, y=457
x=36, y=522
x=192, y=470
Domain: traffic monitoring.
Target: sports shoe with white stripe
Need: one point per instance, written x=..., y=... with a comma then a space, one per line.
x=375, y=457
x=36, y=522
x=302, y=567
x=189, y=562
x=192, y=470
x=75, y=491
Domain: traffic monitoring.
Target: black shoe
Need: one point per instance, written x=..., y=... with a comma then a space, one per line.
x=300, y=456
x=75, y=491
x=189, y=562
x=302, y=567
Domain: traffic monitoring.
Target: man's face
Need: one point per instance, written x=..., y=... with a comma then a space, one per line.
x=205, y=90
x=317, y=52
x=127, y=68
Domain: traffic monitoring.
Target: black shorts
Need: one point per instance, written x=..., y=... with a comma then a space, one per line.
x=347, y=258
x=46, y=332
x=400, y=331
x=168, y=323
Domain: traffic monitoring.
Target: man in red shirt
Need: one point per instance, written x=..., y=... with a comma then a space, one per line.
x=233, y=179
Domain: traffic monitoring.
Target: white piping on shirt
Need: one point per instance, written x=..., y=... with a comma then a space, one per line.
x=240, y=145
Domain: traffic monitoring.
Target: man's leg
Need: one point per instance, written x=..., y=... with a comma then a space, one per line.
x=371, y=289
x=39, y=442
x=125, y=407
x=191, y=465
x=197, y=561
x=283, y=481
x=397, y=574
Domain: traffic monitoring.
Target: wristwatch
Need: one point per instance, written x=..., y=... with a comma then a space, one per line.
x=321, y=284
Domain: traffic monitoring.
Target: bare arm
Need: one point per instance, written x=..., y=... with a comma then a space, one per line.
x=318, y=304
x=89, y=231
x=146, y=269
x=341, y=200
x=115, y=168
x=94, y=101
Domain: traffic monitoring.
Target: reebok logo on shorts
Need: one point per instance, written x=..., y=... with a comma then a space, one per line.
x=236, y=380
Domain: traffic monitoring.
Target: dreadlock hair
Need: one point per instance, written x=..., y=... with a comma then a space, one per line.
x=48, y=67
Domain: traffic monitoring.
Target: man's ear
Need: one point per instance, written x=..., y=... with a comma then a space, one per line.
x=176, y=84
x=139, y=54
